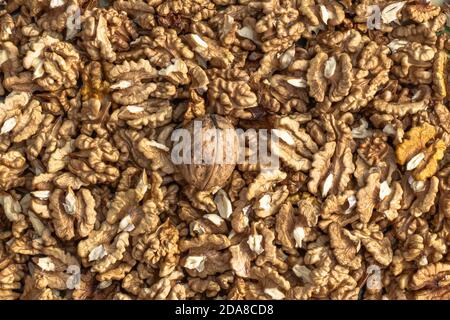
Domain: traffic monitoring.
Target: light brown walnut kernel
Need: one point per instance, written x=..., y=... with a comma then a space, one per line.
x=105, y=31
x=419, y=157
x=335, y=72
x=230, y=94
x=89, y=161
x=12, y=165
x=55, y=64
x=422, y=12
x=73, y=213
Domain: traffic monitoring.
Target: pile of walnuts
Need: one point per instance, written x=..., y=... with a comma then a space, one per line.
x=93, y=207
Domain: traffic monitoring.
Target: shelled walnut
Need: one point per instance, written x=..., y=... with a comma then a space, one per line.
x=115, y=182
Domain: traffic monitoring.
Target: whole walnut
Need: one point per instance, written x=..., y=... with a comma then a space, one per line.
x=213, y=147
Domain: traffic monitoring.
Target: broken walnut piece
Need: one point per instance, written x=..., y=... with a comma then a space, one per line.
x=418, y=154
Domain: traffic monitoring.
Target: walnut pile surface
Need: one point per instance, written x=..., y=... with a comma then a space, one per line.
x=92, y=206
